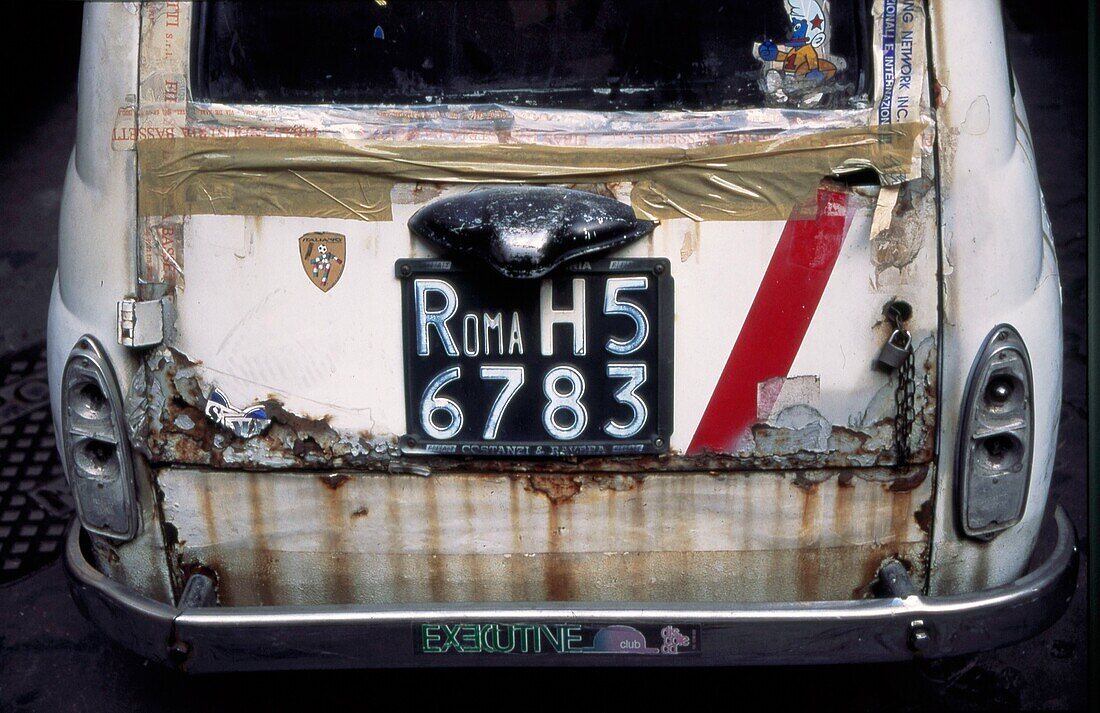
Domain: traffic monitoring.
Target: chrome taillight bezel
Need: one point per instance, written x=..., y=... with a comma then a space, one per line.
x=94, y=444
x=996, y=437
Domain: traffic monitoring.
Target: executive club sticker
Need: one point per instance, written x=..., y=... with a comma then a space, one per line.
x=457, y=639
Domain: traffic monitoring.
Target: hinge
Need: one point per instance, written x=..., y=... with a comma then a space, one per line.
x=140, y=322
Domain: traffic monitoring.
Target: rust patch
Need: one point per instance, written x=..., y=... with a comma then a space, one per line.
x=360, y=512
x=436, y=574
x=846, y=447
x=811, y=503
x=394, y=516
x=871, y=566
x=430, y=546
x=472, y=564
x=262, y=556
x=208, y=518
x=806, y=481
x=900, y=512
x=305, y=426
x=171, y=535
x=615, y=483
x=911, y=479
x=515, y=521
x=333, y=481
x=923, y=516
x=558, y=489
x=922, y=577
x=189, y=567
x=341, y=584
x=558, y=573
x=105, y=552
x=306, y=446
x=842, y=507
x=178, y=431
x=302, y=443
x=809, y=577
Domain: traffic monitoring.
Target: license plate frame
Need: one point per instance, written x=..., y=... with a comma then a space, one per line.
x=525, y=433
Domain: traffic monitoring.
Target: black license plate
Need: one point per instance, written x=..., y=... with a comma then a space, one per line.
x=575, y=364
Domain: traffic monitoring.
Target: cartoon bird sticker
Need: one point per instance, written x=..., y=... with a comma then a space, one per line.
x=797, y=68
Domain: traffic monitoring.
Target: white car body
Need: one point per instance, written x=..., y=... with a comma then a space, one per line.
x=806, y=511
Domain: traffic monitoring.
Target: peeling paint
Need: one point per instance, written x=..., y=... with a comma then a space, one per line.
x=901, y=234
x=884, y=210
x=178, y=432
x=941, y=94
x=796, y=436
x=799, y=427
x=976, y=122
x=691, y=240
x=775, y=395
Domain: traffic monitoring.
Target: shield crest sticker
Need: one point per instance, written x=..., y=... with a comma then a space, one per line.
x=323, y=256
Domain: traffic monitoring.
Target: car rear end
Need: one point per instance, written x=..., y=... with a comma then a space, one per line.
x=455, y=332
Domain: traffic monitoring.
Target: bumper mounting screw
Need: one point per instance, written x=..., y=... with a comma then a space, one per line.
x=920, y=637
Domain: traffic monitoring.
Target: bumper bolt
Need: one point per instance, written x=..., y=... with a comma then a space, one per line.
x=178, y=651
x=920, y=637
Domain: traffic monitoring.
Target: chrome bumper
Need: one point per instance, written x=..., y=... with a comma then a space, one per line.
x=888, y=629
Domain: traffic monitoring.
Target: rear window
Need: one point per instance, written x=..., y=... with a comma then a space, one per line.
x=567, y=54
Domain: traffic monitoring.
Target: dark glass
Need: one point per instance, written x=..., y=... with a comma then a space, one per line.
x=576, y=54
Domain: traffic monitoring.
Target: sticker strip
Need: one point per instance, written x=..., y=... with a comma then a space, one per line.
x=456, y=638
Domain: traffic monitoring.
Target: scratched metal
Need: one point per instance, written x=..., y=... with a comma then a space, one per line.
x=299, y=537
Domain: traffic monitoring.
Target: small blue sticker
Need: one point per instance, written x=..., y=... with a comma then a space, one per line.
x=244, y=423
x=379, y=33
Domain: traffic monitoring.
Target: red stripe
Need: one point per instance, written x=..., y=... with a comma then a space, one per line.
x=778, y=319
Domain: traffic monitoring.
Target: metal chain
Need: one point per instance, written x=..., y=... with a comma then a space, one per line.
x=904, y=398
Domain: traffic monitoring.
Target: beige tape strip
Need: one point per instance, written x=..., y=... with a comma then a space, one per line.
x=345, y=179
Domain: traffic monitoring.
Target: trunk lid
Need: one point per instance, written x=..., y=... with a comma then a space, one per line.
x=793, y=208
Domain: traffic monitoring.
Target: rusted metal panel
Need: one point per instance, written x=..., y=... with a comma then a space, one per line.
x=168, y=400
x=299, y=537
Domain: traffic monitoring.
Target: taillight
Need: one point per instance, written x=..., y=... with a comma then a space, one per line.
x=94, y=444
x=995, y=444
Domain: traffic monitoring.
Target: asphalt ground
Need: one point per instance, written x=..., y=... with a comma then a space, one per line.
x=51, y=659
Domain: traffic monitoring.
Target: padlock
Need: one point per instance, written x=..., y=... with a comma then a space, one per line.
x=896, y=349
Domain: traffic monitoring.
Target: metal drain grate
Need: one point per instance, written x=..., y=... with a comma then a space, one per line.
x=35, y=505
